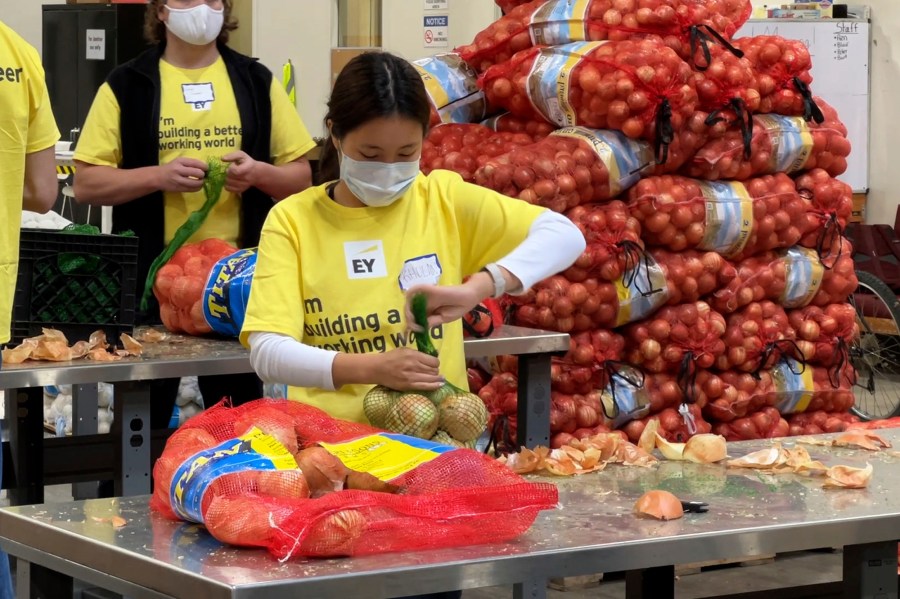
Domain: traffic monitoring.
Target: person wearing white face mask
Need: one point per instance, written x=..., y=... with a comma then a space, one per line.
x=156, y=121
x=336, y=263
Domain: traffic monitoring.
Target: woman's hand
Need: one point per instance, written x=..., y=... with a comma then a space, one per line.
x=406, y=369
x=241, y=173
x=447, y=304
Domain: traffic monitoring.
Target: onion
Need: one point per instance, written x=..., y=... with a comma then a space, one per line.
x=661, y=505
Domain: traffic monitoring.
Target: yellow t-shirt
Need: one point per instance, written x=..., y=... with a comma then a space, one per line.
x=26, y=126
x=198, y=118
x=334, y=277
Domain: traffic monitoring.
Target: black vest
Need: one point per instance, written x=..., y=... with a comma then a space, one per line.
x=136, y=86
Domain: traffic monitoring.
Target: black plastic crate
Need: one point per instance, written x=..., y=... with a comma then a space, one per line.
x=75, y=283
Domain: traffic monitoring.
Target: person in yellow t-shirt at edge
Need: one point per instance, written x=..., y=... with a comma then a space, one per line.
x=28, y=137
x=150, y=130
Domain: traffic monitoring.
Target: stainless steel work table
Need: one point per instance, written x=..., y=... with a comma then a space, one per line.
x=125, y=455
x=592, y=531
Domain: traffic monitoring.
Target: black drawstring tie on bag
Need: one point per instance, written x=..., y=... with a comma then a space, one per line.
x=501, y=437
x=841, y=360
x=700, y=37
x=774, y=346
x=665, y=133
x=811, y=110
x=635, y=257
x=687, y=378
x=831, y=234
x=744, y=119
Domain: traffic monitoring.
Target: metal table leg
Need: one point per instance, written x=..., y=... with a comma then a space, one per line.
x=25, y=414
x=530, y=589
x=23, y=579
x=533, y=417
x=870, y=571
x=131, y=426
x=84, y=422
x=652, y=583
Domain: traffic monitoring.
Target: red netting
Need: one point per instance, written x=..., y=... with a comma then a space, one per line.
x=683, y=25
x=677, y=340
x=778, y=143
x=756, y=337
x=641, y=88
x=824, y=335
x=732, y=218
x=458, y=498
x=794, y=278
x=181, y=283
x=674, y=426
x=463, y=148
x=782, y=68
x=831, y=206
x=820, y=421
x=510, y=123
x=766, y=423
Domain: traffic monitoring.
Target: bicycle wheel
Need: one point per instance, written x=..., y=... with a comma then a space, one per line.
x=876, y=354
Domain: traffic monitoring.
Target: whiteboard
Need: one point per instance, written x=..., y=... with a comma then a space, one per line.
x=840, y=51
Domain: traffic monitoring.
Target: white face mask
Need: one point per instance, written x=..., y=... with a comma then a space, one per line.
x=199, y=25
x=378, y=184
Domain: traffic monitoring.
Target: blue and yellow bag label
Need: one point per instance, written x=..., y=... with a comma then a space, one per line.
x=453, y=88
x=386, y=456
x=560, y=22
x=228, y=292
x=645, y=292
x=253, y=450
x=729, y=217
x=794, y=386
x=803, y=277
x=550, y=77
x=625, y=159
x=792, y=142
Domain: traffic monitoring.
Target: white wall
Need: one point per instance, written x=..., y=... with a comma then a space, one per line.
x=403, y=31
x=303, y=31
x=24, y=16
x=884, y=191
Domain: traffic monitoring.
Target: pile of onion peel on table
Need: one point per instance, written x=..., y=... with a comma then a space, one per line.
x=779, y=460
x=53, y=346
x=579, y=456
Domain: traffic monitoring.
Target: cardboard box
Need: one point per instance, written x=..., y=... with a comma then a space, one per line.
x=859, y=208
x=341, y=56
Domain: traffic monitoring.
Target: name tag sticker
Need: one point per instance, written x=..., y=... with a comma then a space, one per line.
x=424, y=270
x=198, y=95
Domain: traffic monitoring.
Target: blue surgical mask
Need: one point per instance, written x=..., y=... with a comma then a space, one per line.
x=378, y=184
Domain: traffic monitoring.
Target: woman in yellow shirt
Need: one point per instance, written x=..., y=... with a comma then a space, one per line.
x=326, y=314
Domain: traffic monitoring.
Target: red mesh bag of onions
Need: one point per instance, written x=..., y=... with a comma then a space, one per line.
x=799, y=387
x=572, y=166
x=825, y=334
x=782, y=75
x=766, y=423
x=613, y=239
x=776, y=143
x=732, y=395
x=792, y=278
x=464, y=148
x=580, y=301
x=756, y=337
x=538, y=129
x=286, y=476
x=831, y=206
x=641, y=88
x=452, y=88
x=820, y=422
x=683, y=25
x=732, y=218
x=678, y=339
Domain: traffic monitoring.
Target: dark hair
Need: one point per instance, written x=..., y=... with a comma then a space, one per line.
x=372, y=85
x=155, y=30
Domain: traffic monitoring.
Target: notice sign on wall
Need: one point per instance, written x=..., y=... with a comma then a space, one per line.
x=96, y=44
x=436, y=31
x=436, y=4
